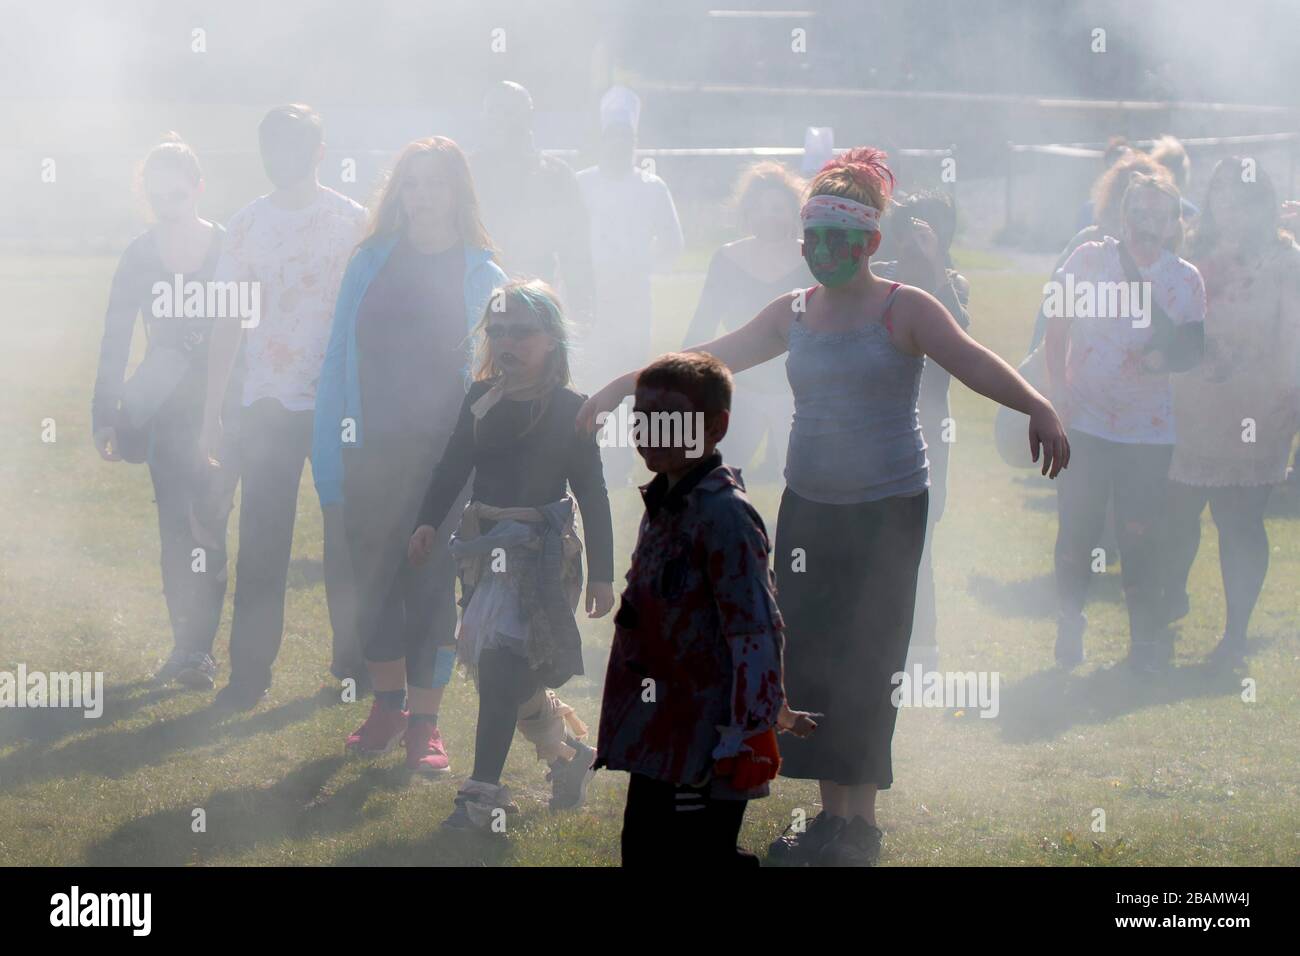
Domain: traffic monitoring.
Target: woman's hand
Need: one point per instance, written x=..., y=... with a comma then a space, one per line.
x=600, y=598
x=421, y=545
x=1047, y=432
x=106, y=443
x=605, y=400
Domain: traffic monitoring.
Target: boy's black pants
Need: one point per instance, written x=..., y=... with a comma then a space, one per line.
x=666, y=824
x=275, y=444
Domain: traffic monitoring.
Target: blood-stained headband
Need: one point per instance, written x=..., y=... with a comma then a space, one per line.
x=837, y=212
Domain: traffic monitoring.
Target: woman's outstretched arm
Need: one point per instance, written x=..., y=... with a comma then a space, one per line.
x=926, y=326
x=759, y=340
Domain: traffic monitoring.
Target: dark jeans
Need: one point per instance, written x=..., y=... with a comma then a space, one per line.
x=669, y=825
x=505, y=681
x=1238, y=513
x=194, y=505
x=274, y=445
x=1131, y=478
x=404, y=612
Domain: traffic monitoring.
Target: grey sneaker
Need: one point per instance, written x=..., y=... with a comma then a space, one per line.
x=198, y=671
x=857, y=844
x=569, y=778
x=174, y=664
x=801, y=849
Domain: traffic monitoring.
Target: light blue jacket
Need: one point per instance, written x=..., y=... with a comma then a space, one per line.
x=338, y=394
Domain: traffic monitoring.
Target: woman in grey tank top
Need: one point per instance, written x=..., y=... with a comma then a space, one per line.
x=852, y=519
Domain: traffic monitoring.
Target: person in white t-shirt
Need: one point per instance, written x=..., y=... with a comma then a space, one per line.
x=634, y=232
x=1122, y=314
x=292, y=245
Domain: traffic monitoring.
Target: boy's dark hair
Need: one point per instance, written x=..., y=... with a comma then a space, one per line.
x=697, y=375
x=935, y=207
x=292, y=133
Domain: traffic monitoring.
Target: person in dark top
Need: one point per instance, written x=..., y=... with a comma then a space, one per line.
x=743, y=277
x=531, y=202
x=411, y=294
x=157, y=416
x=925, y=224
x=520, y=558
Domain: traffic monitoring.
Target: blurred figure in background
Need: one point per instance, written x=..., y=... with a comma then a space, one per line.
x=293, y=243
x=161, y=409
x=1238, y=412
x=634, y=233
x=1170, y=153
x=743, y=277
x=1108, y=197
x=397, y=366
x=1117, y=148
x=925, y=224
x=1109, y=375
x=530, y=203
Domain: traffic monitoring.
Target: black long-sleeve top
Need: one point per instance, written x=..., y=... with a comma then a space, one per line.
x=529, y=471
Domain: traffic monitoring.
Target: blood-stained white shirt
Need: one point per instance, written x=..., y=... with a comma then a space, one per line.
x=1111, y=393
x=297, y=256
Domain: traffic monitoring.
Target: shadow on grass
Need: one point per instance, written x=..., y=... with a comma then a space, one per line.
x=1035, y=597
x=298, y=807
x=47, y=725
x=1047, y=704
x=119, y=753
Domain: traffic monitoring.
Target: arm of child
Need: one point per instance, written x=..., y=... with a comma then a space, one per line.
x=751, y=624
x=114, y=351
x=587, y=479
x=449, y=477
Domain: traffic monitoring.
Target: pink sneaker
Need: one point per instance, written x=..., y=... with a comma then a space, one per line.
x=380, y=731
x=424, y=750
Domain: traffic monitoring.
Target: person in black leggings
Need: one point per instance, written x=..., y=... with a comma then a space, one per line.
x=516, y=435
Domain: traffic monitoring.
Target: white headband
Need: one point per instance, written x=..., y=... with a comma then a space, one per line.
x=837, y=212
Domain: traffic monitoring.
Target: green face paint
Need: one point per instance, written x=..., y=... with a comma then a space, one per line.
x=833, y=254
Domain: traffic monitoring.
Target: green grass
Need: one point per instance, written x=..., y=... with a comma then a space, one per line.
x=1185, y=771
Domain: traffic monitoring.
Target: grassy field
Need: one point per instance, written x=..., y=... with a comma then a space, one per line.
x=1185, y=770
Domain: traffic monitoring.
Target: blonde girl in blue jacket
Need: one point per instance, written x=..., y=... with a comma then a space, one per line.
x=392, y=383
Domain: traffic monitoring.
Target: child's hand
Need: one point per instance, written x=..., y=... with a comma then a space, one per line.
x=798, y=722
x=753, y=767
x=421, y=545
x=600, y=598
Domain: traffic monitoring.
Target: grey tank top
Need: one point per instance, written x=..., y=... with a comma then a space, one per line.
x=855, y=436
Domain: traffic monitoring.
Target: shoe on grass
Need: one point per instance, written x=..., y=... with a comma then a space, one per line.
x=238, y=697
x=569, y=778
x=1228, y=654
x=198, y=670
x=378, y=733
x=479, y=807
x=801, y=849
x=174, y=664
x=857, y=844
x=425, y=753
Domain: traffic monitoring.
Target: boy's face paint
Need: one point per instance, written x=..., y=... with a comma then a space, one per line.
x=833, y=254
